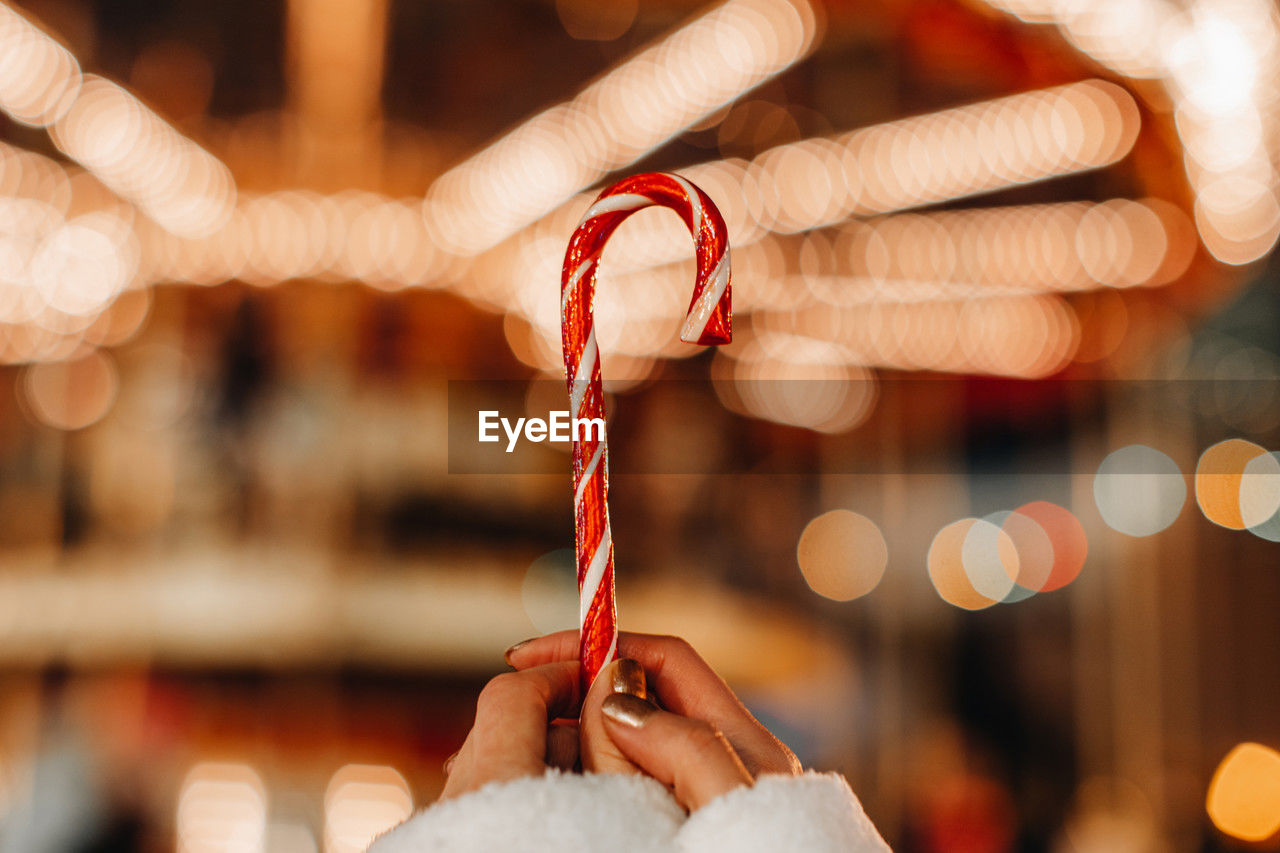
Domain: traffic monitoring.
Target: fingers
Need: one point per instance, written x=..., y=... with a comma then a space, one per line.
x=599, y=753
x=690, y=756
x=509, y=737
x=561, y=645
x=676, y=672
x=562, y=745
x=685, y=684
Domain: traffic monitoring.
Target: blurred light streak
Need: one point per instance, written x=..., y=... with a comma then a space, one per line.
x=1027, y=336
x=947, y=256
x=1244, y=795
x=222, y=808
x=616, y=120
x=1046, y=247
x=25, y=174
x=1218, y=61
x=142, y=158
x=110, y=132
x=943, y=156
x=795, y=380
x=883, y=168
x=362, y=802
x=1139, y=490
x=1061, y=247
x=67, y=251
x=39, y=78
x=292, y=234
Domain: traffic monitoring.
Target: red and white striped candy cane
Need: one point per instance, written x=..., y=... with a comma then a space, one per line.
x=707, y=323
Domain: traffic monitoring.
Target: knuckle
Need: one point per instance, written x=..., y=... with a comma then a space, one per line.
x=704, y=739
x=500, y=689
x=678, y=645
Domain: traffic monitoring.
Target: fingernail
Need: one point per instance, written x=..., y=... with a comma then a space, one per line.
x=448, y=763
x=517, y=647
x=628, y=677
x=627, y=710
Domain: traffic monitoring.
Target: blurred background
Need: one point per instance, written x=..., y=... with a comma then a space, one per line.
x=979, y=507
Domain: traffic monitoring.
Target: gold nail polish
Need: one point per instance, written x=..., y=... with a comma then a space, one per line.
x=628, y=677
x=627, y=710
x=517, y=647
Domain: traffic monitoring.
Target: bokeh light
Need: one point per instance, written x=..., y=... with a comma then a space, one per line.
x=944, y=155
x=550, y=591
x=1244, y=794
x=534, y=168
x=946, y=563
x=798, y=381
x=1219, y=481
x=1066, y=536
x=1030, y=336
x=39, y=78
x=1007, y=557
x=362, y=802
x=842, y=555
x=72, y=394
x=1138, y=490
x=1034, y=549
x=990, y=559
x=592, y=21
x=1218, y=63
x=1260, y=496
x=222, y=808
x=139, y=156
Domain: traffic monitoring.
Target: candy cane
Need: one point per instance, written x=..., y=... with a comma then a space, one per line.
x=707, y=323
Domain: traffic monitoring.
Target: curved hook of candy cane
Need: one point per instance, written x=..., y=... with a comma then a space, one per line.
x=708, y=322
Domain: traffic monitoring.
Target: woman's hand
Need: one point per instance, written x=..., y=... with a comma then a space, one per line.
x=517, y=730
x=703, y=744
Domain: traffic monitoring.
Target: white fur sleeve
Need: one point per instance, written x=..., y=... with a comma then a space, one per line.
x=552, y=813
x=816, y=812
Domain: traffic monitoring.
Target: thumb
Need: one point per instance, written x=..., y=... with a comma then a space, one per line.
x=690, y=756
x=599, y=753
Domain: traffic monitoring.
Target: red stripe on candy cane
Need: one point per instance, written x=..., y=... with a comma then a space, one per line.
x=708, y=322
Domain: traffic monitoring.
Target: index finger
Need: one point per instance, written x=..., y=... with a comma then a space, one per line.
x=548, y=691
x=509, y=737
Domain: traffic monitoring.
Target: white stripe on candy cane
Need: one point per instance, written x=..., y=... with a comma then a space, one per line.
x=582, y=379
x=700, y=313
x=586, y=475
x=695, y=204
x=595, y=572
x=615, y=203
x=567, y=295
